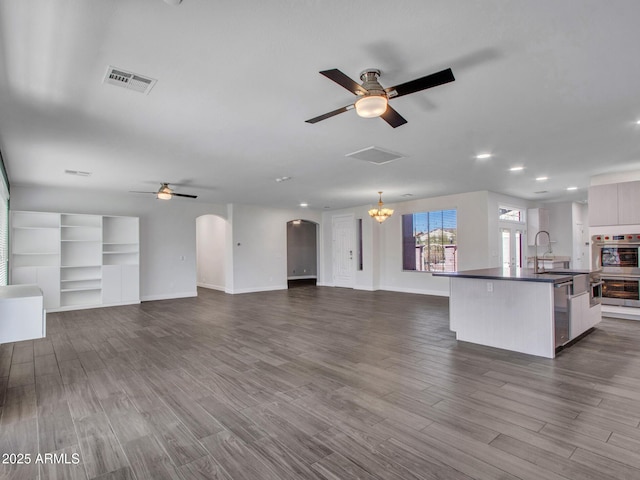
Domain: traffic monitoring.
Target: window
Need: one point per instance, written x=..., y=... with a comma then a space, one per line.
x=4, y=228
x=360, y=258
x=429, y=241
x=511, y=214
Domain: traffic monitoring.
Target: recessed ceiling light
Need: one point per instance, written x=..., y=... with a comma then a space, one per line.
x=516, y=169
x=408, y=195
x=304, y=204
x=482, y=156
x=542, y=179
x=572, y=188
x=282, y=179
x=542, y=191
x=637, y=122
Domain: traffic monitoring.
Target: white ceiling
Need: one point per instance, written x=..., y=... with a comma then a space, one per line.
x=552, y=85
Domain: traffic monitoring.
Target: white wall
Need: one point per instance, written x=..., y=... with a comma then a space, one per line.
x=473, y=242
x=561, y=228
x=496, y=201
x=383, y=243
x=259, y=246
x=211, y=238
x=167, y=231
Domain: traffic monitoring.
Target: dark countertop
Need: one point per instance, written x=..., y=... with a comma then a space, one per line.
x=520, y=274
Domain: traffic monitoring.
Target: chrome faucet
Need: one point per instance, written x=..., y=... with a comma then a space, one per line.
x=536, y=267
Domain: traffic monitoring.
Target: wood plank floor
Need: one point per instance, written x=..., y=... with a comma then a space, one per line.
x=312, y=383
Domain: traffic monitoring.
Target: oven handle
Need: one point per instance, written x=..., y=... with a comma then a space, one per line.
x=621, y=277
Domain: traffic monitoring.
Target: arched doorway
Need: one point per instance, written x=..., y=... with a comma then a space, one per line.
x=211, y=231
x=302, y=253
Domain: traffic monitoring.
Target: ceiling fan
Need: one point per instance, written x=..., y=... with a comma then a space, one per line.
x=373, y=101
x=166, y=193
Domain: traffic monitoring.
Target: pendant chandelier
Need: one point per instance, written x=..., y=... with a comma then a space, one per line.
x=380, y=214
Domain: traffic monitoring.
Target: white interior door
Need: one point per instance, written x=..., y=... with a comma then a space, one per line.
x=511, y=240
x=343, y=250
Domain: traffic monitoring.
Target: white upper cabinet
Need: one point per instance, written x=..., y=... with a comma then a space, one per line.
x=603, y=205
x=629, y=203
x=614, y=204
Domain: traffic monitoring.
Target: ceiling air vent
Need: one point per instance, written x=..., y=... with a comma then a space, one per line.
x=129, y=80
x=375, y=155
x=79, y=173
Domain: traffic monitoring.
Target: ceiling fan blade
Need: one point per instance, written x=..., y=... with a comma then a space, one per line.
x=433, y=80
x=183, y=195
x=330, y=114
x=344, y=81
x=135, y=191
x=392, y=117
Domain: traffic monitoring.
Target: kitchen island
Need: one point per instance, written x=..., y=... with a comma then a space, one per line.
x=520, y=310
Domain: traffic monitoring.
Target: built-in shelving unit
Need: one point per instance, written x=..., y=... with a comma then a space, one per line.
x=78, y=260
x=120, y=259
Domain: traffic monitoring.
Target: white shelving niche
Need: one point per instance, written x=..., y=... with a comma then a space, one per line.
x=35, y=253
x=120, y=260
x=78, y=260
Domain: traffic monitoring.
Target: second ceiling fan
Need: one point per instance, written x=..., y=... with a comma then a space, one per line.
x=373, y=101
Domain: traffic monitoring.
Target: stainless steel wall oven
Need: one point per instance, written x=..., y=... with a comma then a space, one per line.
x=618, y=259
x=623, y=291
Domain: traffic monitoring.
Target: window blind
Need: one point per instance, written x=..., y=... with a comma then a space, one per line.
x=4, y=231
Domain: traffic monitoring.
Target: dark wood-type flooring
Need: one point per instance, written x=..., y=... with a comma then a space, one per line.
x=313, y=383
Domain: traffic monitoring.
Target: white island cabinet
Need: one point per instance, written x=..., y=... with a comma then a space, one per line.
x=78, y=260
x=516, y=309
x=22, y=314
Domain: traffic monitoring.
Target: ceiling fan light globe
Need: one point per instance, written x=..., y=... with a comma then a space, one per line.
x=371, y=106
x=164, y=196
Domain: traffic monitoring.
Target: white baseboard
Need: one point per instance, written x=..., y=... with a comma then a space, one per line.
x=366, y=289
x=168, y=296
x=323, y=284
x=626, y=313
x=88, y=307
x=211, y=286
x=419, y=291
x=257, y=289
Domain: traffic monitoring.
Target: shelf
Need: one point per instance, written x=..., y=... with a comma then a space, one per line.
x=80, y=289
x=81, y=220
x=121, y=253
x=36, y=228
x=81, y=226
x=35, y=253
x=79, y=266
x=99, y=279
x=35, y=220
x=91, y=240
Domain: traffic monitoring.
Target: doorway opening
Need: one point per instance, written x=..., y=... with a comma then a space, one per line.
x=211, y=231
x=302, y=253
